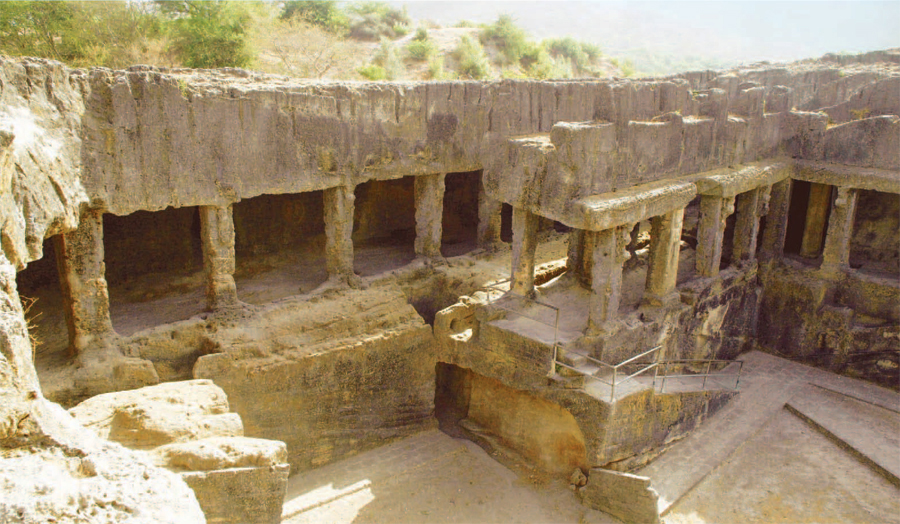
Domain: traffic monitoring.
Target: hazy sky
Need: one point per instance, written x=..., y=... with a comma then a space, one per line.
x=748, y=31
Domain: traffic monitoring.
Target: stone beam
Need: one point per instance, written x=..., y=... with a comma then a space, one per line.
x=631, y=205
x=339, y=202
x=714, y=211
x=730, y=182
x=665, y=247
x=429, y=191
x=608, y=254
x=836, y=252
x=816, y=219
x=776, y=221
x=83, y=280
x=746, y=226
x=884, y=180
x=217, y=236
x=525, y=226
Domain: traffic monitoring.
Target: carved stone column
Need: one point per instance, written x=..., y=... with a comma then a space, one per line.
x=429, y=215
x=746, y=226
x=776, y=221
x=836, y=253
x=816, y=218
x=339, y=203
x=489, y=221
x=217, y=236
x=608, y=254
x=83, y=279
x=714, y=210
x=525, y=226
x=665, y=247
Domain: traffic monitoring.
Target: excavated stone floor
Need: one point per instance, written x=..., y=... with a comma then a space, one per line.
x=433, y=478
x=737, y=444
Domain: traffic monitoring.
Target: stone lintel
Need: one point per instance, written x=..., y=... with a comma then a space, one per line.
x=884, y=180
x=730, y=182
x=634, y=204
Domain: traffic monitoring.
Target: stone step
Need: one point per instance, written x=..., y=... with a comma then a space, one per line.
x=869, y=432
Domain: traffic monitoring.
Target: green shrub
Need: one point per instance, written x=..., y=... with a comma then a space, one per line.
x=510, y=39
x=326, y=14
x=420, y=50
x=387, y=58
x=374, y=20
x=421, y=35
x=400, y=30
x=436, y=68
x=473, y=61
x=372, y=72
x=546, y=67
x=582, y=55
x=463, y=24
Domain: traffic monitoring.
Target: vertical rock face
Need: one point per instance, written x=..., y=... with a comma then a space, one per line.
x=52, y=468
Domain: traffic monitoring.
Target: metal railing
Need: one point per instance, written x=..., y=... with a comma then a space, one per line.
x=506, y=293
x=614, y=380
x=705, y=376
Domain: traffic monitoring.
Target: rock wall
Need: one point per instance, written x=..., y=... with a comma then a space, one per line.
x=52, y=468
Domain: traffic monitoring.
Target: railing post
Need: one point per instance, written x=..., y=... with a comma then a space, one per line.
x=706, y=376
x=612, y=396
x=655, y=372
x=662, y=388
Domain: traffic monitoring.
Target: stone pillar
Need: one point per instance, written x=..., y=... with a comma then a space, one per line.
x=83, y=280
x=525, y=226
x=488, y=220
x=217, y=236
x=608, y=254
x=714, y=210
x=816, y=216
x=836, y=253
x=776, y=221
x=338, y=232
x=429, y=215
x=665, y=247
x=746, y=226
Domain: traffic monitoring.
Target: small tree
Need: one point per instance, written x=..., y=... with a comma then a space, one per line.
x=305, y=50
x=208, y=33
x=326, y=14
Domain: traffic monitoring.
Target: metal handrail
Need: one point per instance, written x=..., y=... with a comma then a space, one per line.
x=709, y=362
x=615, y=370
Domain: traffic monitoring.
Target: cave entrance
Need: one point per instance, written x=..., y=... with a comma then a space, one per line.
x=42, y=299
x=154, y=268
x=279, y=244
x=384, y=225
x=875, y=244
x=460, y=216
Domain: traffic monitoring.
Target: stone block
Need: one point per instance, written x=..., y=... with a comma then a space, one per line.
x=240, y=495
x=623, y=495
